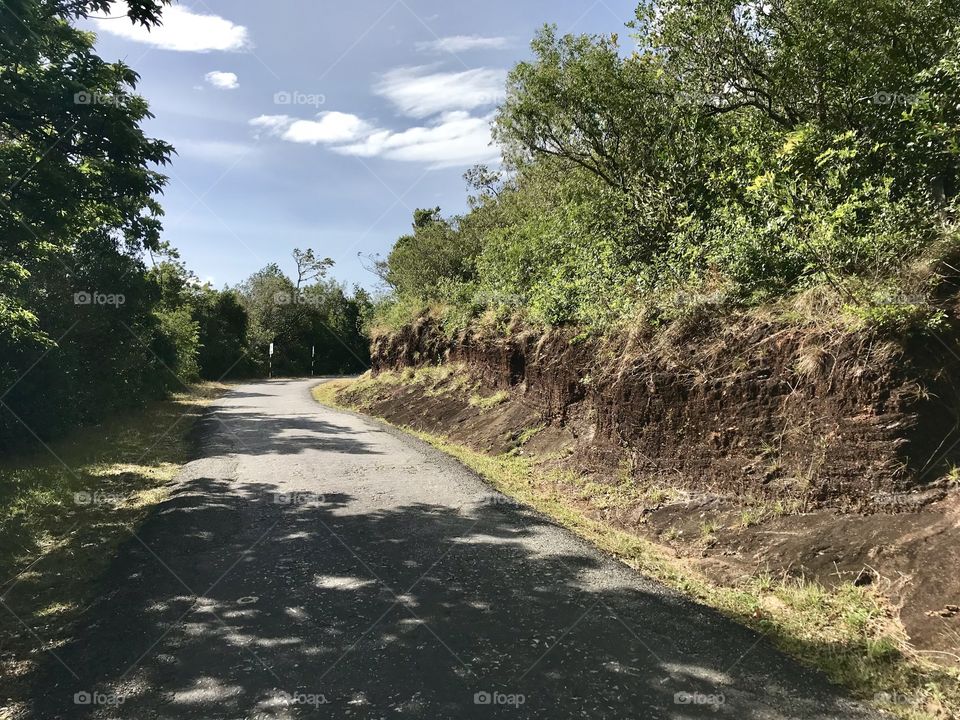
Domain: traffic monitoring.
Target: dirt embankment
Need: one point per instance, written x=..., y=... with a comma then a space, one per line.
x=827, y=420
x=749, y=447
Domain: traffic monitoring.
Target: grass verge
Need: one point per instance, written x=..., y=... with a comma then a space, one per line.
x=64, y=510
x=849, y=632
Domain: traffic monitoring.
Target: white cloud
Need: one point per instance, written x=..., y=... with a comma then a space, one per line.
x=331, y=127
x=462, y=43
x=222, y=80
x=272, y=123
x=455, y=135
x=458, y=138
x=455, y=138
x=182, y=30
x=420, y=93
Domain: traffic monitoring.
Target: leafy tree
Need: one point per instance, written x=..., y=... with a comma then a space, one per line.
x=297, y=319
x=178, y=343
x=309, y=267
x=757, y=148
x=223, y=325
x=435, y=251
x=74, y=160
x=795, y=61
x=582, y=101
x=78, y=205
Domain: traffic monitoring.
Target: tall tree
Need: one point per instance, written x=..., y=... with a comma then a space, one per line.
x=78, y=187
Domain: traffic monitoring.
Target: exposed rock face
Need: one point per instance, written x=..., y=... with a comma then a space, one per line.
x=730, y=405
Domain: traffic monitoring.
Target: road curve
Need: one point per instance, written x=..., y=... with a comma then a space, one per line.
x=313, y=563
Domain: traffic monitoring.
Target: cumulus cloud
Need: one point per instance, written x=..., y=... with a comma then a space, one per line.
x=222, y=80
x=332, y=127
x=456, y=138
x=183, y=30
x=419, y=93
x=329, y=127
x=462, y=43
x=272, y=123
x=453, y=109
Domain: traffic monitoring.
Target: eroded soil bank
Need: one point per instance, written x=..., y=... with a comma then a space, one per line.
x=746, y=447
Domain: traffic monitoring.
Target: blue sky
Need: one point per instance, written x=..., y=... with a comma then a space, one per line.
x=322, y=123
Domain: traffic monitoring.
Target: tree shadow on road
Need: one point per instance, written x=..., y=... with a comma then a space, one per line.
x=231, y=603
x=259, y=433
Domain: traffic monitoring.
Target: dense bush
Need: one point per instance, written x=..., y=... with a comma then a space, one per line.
x=754, y=149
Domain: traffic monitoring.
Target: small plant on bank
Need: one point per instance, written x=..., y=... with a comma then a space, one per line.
x=708, y=531
x=486, y=402
x=751, y=516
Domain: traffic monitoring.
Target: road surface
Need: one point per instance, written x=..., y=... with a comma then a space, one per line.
x=313, y=563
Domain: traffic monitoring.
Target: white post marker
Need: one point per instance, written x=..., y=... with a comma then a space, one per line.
x=313, y=352
x=270, y=371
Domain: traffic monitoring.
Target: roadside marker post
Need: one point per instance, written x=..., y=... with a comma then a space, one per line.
x=270, y=367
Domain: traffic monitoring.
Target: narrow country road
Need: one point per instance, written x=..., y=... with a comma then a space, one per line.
x=312, y=563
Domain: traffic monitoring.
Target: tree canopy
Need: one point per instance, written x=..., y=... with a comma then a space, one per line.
x=756, y=149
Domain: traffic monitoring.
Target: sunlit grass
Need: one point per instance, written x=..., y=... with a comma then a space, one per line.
x=485, y=402
x=65, y=510
x=127, y=460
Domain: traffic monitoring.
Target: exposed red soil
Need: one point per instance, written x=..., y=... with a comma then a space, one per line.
x=731, y=406
x=851, y=442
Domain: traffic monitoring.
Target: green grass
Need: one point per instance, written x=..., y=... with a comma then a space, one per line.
x=326, y=392
x=846, y=631
x=751, y=516
x=430, y=380
x=708, y=530
x=486, y=402
x=528, y=434
x=65, y=509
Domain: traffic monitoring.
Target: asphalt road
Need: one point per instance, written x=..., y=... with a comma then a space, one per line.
x=312, y=563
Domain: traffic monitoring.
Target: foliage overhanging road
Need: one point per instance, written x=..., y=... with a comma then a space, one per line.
x=313, y=563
